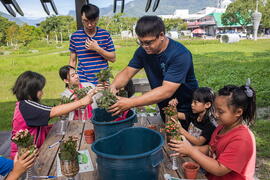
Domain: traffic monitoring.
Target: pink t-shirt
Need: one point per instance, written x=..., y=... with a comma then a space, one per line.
x=34, y=117
x=236, y=150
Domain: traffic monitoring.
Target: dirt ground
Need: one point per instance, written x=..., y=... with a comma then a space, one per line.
x=263, y=168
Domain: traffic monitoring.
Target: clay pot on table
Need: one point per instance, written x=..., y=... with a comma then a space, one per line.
x=190, y=169
x=89, y=136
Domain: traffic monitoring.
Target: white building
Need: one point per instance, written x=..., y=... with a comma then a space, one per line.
x=184, y=13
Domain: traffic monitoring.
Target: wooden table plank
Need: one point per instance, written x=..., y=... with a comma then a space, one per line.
x=84, y=145
x=74, y=129
x=43, y=163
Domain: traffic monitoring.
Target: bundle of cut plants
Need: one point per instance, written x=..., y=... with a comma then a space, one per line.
x=172, y=130
x=80, y=93
x=24, y=141
x=170, y=112
x=68, y=156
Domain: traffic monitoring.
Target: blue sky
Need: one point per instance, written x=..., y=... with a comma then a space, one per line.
x=33, y=8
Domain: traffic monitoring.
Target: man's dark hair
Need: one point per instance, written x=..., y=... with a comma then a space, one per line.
x=27, y=86
x=149, y=26
x=91, y=11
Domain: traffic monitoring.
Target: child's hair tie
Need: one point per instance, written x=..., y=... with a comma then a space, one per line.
x=248, y=91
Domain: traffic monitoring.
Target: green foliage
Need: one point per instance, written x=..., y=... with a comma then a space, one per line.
x=170, y=110
x=176, y=24
x=117, y=23
x=104, y=75
x=80, y=92
x=65, y=100
x=68, y=149
x=107, y=99
x=261, y=130
x=5, y=24
x=265, y=10
x=55, y=26
x=238, y=12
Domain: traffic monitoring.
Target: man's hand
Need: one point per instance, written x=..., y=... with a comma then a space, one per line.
x=173, y=102
x=122, y=105
x=113, y=89
x=91, y=45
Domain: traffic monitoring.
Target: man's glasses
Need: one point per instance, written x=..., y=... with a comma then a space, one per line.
x=146, y=43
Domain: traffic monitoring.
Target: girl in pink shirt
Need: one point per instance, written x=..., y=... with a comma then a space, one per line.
x=231, y=153
x=30, y=114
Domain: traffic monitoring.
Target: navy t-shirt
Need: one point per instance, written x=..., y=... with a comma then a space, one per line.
x=174, y=65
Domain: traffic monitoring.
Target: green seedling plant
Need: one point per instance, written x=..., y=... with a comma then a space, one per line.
x=104, y=76
x=68, y=149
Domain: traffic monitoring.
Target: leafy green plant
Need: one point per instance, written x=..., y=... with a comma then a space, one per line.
x=68, y=149
x=104, y=75
x=80, y=92
x=65, y=100
x=107, y=99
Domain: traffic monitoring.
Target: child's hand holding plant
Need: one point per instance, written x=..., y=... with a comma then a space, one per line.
x=181, y=147
x=21, y=164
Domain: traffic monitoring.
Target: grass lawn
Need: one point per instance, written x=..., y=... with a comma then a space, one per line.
x=215, y=65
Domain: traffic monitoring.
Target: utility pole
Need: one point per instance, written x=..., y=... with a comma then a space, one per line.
x=256, y=16
x=78, y=5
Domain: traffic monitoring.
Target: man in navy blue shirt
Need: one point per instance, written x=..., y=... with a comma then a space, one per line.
x=167, y=64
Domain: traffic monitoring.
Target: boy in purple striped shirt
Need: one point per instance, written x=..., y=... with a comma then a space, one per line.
x=92, y=46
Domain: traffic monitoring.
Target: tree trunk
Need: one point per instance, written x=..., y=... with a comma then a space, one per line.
x=61, y=36
x=56, y=38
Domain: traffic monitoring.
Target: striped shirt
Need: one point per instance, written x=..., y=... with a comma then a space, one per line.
x=90, y=62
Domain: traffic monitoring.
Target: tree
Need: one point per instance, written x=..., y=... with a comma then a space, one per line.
x=265, y=10
x=176, y=24
x=58, y=26
x=12, y=34
x=4, y=25
x=238, y=12
x=28, y=33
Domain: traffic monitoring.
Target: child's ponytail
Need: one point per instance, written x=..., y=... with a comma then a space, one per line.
x=250, y=113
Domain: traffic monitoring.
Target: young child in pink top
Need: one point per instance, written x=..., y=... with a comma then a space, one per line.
x=231, y=153
x=70, y=77
x=30, y=114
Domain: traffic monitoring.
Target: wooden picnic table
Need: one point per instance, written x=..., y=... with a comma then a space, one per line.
x=46, y=162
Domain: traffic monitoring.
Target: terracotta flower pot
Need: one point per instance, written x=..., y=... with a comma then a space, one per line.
x=190, y=169
x=89, y=136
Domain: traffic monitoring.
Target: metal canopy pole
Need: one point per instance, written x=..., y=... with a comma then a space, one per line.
x=78, y=5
